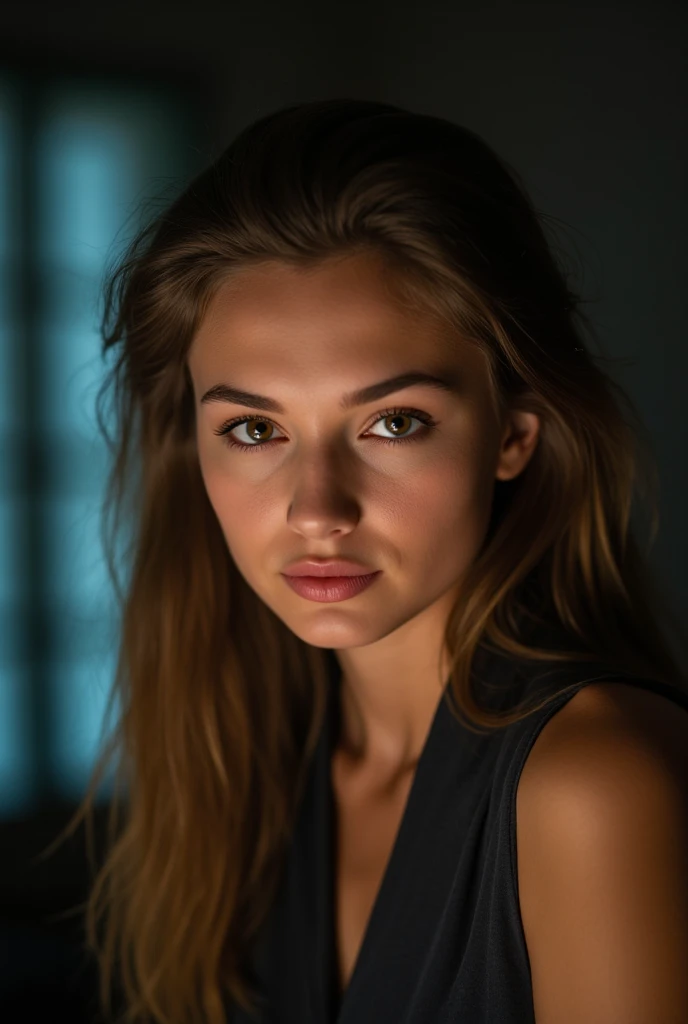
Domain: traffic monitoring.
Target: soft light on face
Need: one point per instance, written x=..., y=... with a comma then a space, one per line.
x=320, y=480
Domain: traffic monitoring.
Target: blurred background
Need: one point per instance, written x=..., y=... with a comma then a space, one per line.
x=105, y=109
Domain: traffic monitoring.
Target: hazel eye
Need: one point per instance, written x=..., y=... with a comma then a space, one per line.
x=260, y=429
x=397, y=418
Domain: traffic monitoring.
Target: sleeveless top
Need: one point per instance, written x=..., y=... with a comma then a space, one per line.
x=444, y=941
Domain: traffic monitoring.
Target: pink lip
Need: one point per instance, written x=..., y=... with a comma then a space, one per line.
x=330, y=588
x=333, y=567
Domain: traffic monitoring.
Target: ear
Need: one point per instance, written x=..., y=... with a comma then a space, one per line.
x=519, y=440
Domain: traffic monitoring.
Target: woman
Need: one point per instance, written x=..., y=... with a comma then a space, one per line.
x=441, y=779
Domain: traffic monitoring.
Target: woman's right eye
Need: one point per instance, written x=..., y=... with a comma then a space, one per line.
x=261, y=427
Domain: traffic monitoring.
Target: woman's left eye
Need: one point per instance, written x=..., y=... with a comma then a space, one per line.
x=262, y=423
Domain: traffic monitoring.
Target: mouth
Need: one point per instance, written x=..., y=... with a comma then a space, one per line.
x=331, y=588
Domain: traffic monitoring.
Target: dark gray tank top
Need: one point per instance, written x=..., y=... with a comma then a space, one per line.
x=444, y=942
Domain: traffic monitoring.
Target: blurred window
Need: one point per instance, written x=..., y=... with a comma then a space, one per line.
x=78, y=161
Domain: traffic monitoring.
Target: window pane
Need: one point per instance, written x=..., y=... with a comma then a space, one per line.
x=79, y=690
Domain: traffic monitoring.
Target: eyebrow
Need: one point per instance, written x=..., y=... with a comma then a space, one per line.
x=447, y=381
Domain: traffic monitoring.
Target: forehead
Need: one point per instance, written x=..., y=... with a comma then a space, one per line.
x=340, y=308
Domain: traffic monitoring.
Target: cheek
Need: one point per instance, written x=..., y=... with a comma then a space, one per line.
x=252, y=516
x=442, y=514
x=230, y=498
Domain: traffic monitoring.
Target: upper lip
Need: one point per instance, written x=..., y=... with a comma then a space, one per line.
x=331, y=567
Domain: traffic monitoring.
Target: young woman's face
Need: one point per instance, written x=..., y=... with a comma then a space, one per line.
x=317, y=478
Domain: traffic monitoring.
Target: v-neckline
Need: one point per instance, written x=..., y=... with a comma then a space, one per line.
x=335, y=1001
x=419, y=868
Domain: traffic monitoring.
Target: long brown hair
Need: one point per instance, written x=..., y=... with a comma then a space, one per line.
x=221, y=704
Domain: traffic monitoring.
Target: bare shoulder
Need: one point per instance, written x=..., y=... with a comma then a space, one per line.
x=602, y=856
x=611, y=716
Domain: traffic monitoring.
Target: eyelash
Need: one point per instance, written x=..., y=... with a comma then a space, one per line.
x=419, y=435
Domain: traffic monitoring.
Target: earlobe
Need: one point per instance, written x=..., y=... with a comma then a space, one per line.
x=519, y=441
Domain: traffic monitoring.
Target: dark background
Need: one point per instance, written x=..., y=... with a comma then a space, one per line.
x=586, y=100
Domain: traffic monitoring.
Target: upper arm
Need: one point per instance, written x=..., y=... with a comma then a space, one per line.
x=602, y=841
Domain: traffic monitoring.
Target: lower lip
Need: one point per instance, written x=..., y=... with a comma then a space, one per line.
x=330, y=588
